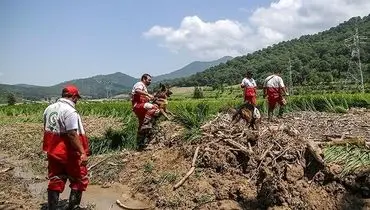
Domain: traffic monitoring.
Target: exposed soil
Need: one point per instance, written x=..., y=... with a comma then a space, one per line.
x=24, y=185
x=272, y=169
x=236, y=168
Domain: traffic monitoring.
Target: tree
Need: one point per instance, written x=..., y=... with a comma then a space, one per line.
x=11, y=99
x=324, y=52
x=198, y=93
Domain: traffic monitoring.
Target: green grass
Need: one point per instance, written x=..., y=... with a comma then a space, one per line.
x=115, y=140
x=350, y=157
x=148, y=167
x=189, y=112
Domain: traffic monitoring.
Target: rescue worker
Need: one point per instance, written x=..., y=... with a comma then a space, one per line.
x=250, y=89
x=275, y=90
x=67, y=148
x=143, y=109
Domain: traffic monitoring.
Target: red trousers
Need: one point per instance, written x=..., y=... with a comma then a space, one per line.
x=273, y=100
x=141, y=112
x=59, y=172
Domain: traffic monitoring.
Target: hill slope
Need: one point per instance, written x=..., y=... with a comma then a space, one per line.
x=322, y=57
x=99, y=86
x=190, y=69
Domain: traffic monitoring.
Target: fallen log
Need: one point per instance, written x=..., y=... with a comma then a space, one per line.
x=184, y=178
x=195, y=156
x=237, y=145
x=333, y=135
x=120, y=204
x=6, y=170
x=192, y=169
x=291, y=131
x=315, y=152
x=261, y=159
x=265, y=153
x=355, y=140
x=99, y=162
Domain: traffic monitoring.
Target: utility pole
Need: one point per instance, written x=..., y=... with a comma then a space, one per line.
x=108, y=89
x=290, y=77
x=354, y=65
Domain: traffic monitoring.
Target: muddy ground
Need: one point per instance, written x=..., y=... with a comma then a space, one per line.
x=267, y=169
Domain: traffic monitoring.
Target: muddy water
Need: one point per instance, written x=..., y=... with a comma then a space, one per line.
x=101, y=198
x=95, y=195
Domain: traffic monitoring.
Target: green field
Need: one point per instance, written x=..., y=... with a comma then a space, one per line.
x=122, y=108
x=189, y=112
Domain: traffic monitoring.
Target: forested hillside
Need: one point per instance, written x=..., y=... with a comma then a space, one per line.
x=318, y=58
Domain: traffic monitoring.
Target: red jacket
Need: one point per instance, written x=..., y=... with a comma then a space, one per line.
x=55, y=142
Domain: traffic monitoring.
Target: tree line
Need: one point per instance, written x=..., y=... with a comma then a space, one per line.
x=320, y=58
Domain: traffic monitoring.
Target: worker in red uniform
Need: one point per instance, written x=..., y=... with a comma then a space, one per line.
x=143, y=109
x=275, y=90
x=250, y=89
x=67, y=148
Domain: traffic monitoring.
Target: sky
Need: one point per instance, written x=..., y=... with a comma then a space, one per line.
x=45, y=42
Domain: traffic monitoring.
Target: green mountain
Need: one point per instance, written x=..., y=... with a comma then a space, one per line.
x=100, y=86
x=190, y=69
x=320, y=58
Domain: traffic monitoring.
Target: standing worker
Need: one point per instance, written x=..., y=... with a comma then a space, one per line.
x=250, y=89
x=144, y=110
x=67, y=148
x=275, y=90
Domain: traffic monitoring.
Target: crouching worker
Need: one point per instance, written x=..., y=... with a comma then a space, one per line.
x=143, y=109
x=67, y=149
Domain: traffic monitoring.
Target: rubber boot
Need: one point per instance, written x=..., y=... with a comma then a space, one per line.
x=281, y=111
x=74, y=199
x=147, y=124
x=140, y=141
x=53, y=198
x=270, y=115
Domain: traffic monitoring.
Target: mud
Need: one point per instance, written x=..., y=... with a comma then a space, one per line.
x=271, y=169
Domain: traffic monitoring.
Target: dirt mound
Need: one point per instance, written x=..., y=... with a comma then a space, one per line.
x=14, y=193
x=238, y=168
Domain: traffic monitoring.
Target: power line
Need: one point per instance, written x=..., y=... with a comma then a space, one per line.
x=290, y=77
x=354, y=65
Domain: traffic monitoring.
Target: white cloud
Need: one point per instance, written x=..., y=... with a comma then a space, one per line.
x=281, y=20
x=220, y=38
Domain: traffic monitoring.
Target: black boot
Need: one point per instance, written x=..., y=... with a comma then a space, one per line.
x=281, y=111
x=140, y=141
x=53, y=198
x=147, y=125
x=74, y=199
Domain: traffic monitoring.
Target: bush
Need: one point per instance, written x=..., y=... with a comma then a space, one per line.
x=11, y=99
x=198, y=93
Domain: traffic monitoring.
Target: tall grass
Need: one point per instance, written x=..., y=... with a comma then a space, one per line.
x=192, y=116
x=323, y=102
x=191, y=113
x=350, y=157
x=115, y=140
x=328, y=103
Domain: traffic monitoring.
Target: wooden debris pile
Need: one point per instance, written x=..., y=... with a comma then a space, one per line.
x=228, y=147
